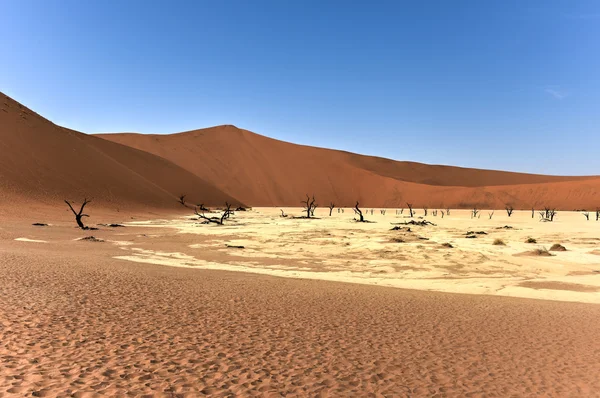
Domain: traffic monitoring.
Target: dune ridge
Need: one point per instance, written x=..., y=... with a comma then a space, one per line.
x=44, y=162
x=268, y=172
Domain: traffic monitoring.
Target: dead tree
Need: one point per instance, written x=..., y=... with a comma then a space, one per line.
x=182, y=199
x=412, y=213
x=474, y=213
x=434, y=213
x=226, y=212
x=283, y=214
x=491, y=214
x=586, y=215
x=532, y=212
x=425, y=210
x=79, y=215
x=509, y=210
x=442, y=213
x=358, y=212
x=331, y=206
x=597, y=214
x=448, y=211
x=309, y=206
x=382, y=211
x=201, y=207
x=550, y=213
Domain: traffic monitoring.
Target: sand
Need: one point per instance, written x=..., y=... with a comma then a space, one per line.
x=338, y=249
x=262, y=171
x=46, y=163
x=271, y=306
x=75, y=319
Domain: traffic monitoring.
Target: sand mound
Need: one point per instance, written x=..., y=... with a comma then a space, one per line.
x=557, y=247
x=542, y=252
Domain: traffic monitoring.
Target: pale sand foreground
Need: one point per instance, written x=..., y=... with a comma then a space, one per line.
x=338, y=249
x=76, y=321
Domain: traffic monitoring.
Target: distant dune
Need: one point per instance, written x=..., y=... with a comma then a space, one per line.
x=265, y=172
x=44, y=162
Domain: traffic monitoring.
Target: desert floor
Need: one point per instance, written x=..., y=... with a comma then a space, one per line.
x=83, y=317
x=337, y=248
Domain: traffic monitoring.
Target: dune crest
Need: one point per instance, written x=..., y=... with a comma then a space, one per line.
x=266, y=172
x=45, y=162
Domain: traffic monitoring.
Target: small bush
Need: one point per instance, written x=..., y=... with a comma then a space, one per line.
x=530, y=240
x=499, y=242
x=447, y=245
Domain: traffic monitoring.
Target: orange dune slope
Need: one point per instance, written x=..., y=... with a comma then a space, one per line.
x=265, y=172
x=44, y=162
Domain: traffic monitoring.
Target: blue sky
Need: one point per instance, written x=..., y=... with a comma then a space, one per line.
x=512, y=85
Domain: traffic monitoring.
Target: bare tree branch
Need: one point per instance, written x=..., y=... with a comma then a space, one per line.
x=309, y=206
x=226, y=213
x=586, y=215
x=79, y=215
x=359, y=213
x=410, y=209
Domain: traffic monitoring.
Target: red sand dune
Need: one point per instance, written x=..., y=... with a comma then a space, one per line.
x=265, y=172
x=45, y=162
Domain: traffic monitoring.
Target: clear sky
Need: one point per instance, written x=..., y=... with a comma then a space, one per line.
x=512, y=85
